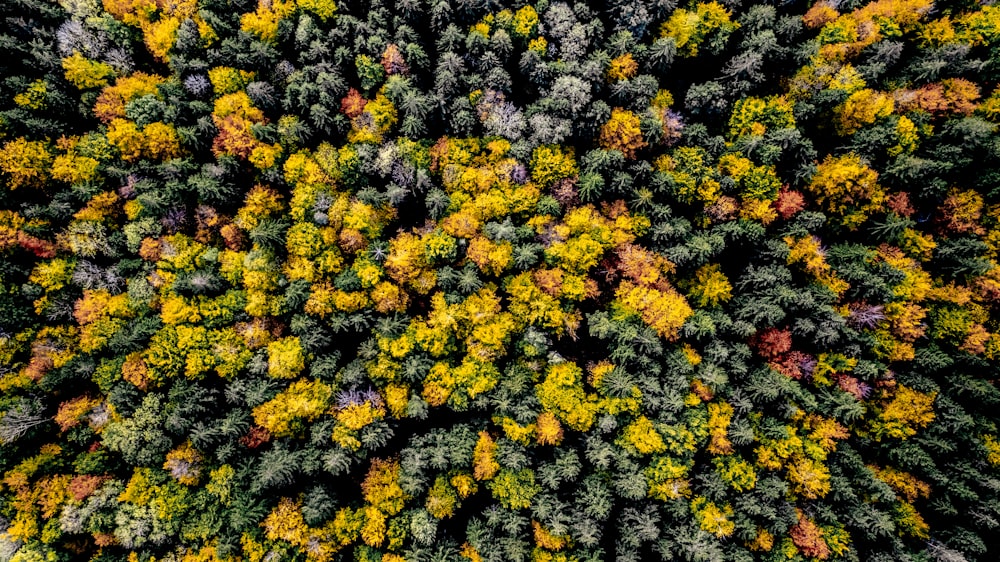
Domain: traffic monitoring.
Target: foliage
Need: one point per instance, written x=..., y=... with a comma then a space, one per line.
x=562, y=281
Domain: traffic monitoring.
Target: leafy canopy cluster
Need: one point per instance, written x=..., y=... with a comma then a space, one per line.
x=565, y=280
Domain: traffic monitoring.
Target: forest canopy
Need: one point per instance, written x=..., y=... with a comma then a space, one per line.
x=490, y=280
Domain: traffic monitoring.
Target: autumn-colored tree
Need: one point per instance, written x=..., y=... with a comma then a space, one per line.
x=952, y=95
x=690, y=28
x=808, y=538
x=622, y=133
x=24, y=163
x=847, y=188
x=622, y=68
x=861, y=109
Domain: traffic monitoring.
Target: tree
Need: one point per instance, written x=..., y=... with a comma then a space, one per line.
x=25, y=163
x=140, y=438
x=622, y=133
x=847, y=188
x=19, y=419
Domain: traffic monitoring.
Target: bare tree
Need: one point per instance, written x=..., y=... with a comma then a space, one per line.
x=20, y=419
x=942, y=553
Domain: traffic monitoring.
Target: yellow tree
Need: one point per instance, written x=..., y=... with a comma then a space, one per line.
x=622, y=133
